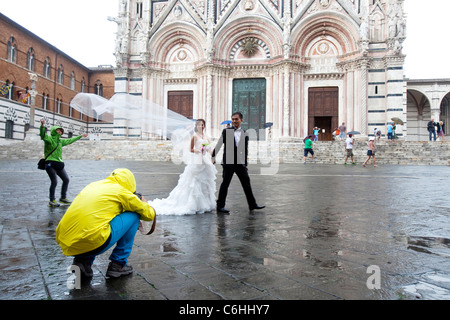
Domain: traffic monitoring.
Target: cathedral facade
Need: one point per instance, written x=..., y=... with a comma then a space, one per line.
x=295, y=64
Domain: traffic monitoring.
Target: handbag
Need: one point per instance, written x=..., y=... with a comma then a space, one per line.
x=41, y=162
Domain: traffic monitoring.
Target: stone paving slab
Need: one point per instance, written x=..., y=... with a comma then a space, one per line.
x=323, y=227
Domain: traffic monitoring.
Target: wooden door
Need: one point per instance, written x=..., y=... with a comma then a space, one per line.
x=181, y=102
x=323, y=109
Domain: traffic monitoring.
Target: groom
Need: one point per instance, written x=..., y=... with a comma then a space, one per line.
x=234, y=161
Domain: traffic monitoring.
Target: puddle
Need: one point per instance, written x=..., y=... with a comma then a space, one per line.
x=168, y=247
x=430, y=245
x=426, y=291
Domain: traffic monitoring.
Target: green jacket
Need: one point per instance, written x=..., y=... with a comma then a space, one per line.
x=51, y=141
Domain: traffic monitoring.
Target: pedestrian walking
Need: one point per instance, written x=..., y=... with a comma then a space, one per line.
x=308, y=148
x=234, y=161
x=54, y=165
x=371, y=152
x=349, y=149
x=431, y=129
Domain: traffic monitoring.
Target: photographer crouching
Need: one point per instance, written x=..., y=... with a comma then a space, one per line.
x=103, y=214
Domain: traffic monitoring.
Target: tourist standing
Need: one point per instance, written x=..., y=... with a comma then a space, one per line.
x=342, y=130
x=390, y=129
x=431, y=129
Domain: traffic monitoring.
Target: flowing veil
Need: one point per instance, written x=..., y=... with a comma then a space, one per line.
x=152, y=117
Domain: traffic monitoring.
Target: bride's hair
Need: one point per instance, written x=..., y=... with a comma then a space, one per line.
x=199, y=120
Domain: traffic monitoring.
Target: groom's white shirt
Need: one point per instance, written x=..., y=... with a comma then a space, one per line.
x=237, y=135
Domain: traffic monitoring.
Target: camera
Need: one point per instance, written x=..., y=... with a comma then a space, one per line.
x=139, y=195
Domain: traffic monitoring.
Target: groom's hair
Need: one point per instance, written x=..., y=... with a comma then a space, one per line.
x=239, y=114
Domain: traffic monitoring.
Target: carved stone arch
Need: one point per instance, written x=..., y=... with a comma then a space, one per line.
x=266, y=34
x=162, y=44
x=341, y=29
x=419, y=99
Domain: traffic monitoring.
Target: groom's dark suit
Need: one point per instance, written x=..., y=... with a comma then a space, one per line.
x=234, y=161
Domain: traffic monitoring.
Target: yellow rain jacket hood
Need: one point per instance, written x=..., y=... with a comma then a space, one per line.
x=85, y=225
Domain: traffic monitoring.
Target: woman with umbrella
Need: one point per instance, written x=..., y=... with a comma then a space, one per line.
x=395, y=121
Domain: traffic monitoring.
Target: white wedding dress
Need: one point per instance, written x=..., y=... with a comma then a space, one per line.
x=196, y=188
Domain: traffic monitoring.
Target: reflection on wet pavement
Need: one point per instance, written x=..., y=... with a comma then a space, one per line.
x=323, y=227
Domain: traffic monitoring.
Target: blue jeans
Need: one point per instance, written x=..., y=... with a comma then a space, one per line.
x=434, y=135
x=123, y=230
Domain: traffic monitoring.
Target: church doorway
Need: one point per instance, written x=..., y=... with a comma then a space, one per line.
x=249, y=97
x=181, y=102
x=323, y=111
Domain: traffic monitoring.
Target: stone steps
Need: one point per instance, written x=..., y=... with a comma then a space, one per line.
x=398, y=152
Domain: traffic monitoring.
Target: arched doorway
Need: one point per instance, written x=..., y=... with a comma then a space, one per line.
x=418, y=115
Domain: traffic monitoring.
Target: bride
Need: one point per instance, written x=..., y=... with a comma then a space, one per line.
x=196, y=188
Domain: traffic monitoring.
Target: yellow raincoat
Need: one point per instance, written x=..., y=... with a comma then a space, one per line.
x=85, y=225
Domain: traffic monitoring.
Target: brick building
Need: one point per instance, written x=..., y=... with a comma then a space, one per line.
x=38, y=75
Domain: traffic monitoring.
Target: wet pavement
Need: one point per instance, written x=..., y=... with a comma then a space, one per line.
x=328, y=232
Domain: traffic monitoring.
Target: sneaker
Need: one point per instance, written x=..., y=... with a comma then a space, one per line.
x=116, y=270
x=84, y=265
x=53, y=203
x=65, y=201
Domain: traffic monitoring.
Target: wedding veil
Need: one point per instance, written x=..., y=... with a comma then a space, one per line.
x=151, y=117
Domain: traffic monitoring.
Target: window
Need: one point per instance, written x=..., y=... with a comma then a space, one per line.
x=9, y=129
x=30, y=59
x=83, y=85
x=47, y=68
x=58, y=105
x=45, y=101
x=139, y=10
x=72, y=81
x=61, y=75
x=12, y=50
x=99, y=88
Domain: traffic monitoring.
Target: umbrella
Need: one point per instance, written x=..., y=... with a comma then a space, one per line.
x=226, y=122
x=309, y=136
x=354, y=132
x=397, y=120
x=268, y=125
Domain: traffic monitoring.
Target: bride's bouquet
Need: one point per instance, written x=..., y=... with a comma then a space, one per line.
x=204, y=147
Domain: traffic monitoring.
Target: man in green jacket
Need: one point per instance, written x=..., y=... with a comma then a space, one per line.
x=54, y=164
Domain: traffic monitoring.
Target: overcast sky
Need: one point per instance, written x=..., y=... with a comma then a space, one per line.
x=80, y=29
